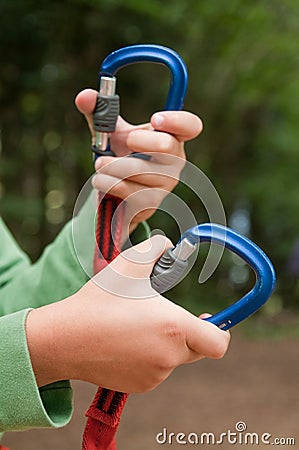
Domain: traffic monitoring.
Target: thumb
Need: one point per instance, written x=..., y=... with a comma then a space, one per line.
x=128, y=274
x=139, y=260
x=86, y=101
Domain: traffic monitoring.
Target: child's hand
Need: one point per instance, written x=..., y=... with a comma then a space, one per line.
x=143, y=184
x=117, y=332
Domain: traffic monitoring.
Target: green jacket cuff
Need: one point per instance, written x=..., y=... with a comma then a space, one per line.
x=22, y=404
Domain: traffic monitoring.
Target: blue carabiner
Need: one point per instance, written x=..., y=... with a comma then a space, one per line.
x=253, y=256
x=156, y=54
x=174, y=263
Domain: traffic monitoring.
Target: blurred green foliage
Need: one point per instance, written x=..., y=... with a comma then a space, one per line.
x=243, y=64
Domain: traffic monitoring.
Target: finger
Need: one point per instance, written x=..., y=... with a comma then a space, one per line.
x=206, y=338
x=123, y=188
x=182, y=124
x=118, y=187
x=141, y=202
x=118, y=139
x=147, y=173
x=144, y=141
x=193, y=356
x=134, y=194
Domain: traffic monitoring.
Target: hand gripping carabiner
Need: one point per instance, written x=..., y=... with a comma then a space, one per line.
x=107, y=107
x=169, y=269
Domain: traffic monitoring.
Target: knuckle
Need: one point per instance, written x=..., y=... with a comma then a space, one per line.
x=174, y=339
x=173, y=330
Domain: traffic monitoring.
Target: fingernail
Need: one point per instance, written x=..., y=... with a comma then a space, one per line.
x=157, y=120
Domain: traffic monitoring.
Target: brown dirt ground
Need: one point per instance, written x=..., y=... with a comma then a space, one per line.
x=256, y=382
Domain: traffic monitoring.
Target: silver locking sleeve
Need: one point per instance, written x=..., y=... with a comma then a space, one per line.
x=106, y=112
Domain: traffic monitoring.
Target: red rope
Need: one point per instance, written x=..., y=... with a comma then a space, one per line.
x=105, y=411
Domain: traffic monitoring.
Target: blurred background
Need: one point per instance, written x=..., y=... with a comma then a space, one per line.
x=242, y=58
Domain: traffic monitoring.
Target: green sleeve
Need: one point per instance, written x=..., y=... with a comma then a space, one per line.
x=63, y=268
x=12, y=258
x=57, y=274
x=22, y=404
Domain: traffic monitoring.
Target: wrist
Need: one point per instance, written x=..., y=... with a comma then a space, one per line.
x=46, y=345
